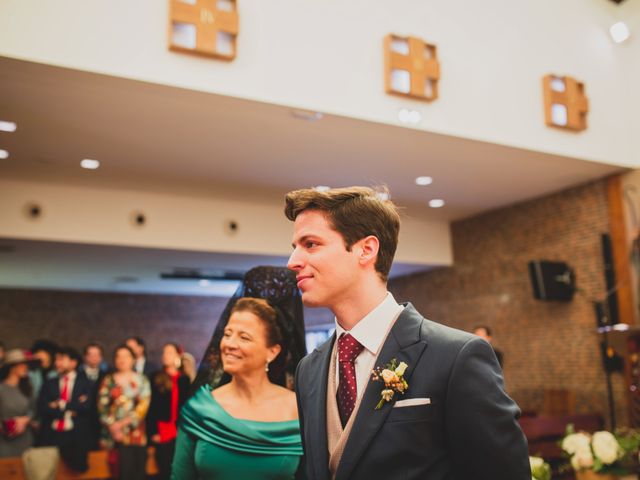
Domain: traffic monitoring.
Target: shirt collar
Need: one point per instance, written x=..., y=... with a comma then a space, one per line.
x=71, y=375
x=372, y=329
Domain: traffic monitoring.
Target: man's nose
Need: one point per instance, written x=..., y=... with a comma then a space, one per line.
x=295, y=261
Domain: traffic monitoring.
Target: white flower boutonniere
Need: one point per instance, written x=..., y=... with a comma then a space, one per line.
x=392, y=374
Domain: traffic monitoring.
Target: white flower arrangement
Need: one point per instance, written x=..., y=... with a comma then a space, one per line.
x=540, y=470
x=602, y=452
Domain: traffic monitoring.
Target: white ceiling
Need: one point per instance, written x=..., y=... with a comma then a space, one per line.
x=69, y=266
x=161, y=138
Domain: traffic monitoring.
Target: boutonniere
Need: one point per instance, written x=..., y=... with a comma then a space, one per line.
x=392, y=374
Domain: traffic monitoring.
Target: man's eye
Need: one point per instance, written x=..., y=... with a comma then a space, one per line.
x=311, y=244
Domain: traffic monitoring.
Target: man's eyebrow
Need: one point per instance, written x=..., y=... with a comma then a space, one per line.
x=302, y=239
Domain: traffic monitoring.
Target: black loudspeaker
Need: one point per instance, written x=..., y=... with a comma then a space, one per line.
x=610, y=279
x=552, y=280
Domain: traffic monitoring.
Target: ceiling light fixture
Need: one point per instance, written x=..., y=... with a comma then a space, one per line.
x=306, y=115
x=89, y=164
x=424, y=181
x=4, y=154
x=619, y=32
x=436, y=203
x=322, y=188
x=383, y=196
x=204, y=282
x=7, y=126
x=406, y=115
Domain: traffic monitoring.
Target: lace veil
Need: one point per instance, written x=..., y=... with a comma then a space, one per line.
x=278, y=286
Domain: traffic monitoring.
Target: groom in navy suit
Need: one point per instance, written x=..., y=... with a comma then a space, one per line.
x=440, y=411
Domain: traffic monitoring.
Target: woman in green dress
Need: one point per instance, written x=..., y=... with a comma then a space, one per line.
x=247, y=428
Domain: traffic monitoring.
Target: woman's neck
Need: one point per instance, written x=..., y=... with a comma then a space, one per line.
x=171, y=371
x=250, y=388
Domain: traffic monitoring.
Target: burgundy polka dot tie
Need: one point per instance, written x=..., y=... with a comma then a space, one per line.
x=348, y=350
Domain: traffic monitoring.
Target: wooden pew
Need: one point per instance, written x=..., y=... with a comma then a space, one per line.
x=12, y=469
x=545, y=432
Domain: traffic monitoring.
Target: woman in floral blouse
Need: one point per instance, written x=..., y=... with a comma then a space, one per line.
x=123, y=401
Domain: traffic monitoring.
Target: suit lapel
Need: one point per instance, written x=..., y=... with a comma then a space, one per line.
x=405, y=344
x=316, y=415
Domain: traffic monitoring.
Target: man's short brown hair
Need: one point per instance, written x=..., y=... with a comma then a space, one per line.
x=355, y=213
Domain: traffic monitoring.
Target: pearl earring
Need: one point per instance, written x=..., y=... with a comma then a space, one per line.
x=266, y=367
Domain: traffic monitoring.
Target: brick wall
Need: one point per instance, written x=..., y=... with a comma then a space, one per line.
x=75, y=318
x=546, y=344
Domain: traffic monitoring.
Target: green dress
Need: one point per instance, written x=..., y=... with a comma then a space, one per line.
x=212, y=444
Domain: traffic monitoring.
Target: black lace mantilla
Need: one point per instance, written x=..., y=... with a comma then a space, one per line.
x=278, y=286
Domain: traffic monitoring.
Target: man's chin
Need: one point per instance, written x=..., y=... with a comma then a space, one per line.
x=311, y=301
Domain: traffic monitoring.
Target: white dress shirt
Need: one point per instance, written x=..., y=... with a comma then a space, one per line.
x=68, y=419
x=139, y=365
x=370, y=332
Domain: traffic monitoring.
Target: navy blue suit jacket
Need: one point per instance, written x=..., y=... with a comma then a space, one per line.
x=469, y=430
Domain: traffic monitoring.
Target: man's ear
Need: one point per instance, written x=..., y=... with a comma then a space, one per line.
x=369, y=247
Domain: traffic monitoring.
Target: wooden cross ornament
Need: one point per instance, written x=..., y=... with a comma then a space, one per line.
x=565, y=103
x=204, y=27
x=411, y=67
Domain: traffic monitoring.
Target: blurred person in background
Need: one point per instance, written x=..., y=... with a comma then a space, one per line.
x=143, y=365
x=94, y=368
x=93, y=365
x=45, y=352
x=2, y=351
x=65, y=405
x=123, y=401
x=484, y=332
x=189, y=366
x=16, y=404
x=169, y=390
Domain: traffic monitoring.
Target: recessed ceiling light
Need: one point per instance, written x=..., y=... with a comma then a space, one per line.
x=204, y=282
x=89, y=164
x=619, y=32
x=4, y=154
x=322, y=188
x=384, y=196
x=306, y=115
x=7, y=126
x=436, y=203
x=424, y=180
x=406, y=115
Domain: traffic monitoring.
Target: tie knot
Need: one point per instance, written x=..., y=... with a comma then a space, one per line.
x=348, y=348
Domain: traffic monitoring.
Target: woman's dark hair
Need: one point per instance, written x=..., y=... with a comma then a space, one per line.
x=265, y=312
x=123, y=346
x=24, y=384
x=269, y=318
x=161, y=379
x=140, y=342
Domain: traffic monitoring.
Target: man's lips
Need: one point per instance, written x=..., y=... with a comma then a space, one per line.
x=302, y=278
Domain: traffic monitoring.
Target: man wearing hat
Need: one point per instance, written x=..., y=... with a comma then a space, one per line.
x=16, y=404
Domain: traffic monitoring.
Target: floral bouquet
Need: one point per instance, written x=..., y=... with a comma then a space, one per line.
x=540, y=470
x=603, y=452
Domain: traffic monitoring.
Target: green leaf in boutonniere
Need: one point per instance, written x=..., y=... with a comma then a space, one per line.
x=392, y=375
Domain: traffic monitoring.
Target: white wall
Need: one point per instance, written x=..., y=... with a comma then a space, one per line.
x=102, y=216
x=327, y=56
